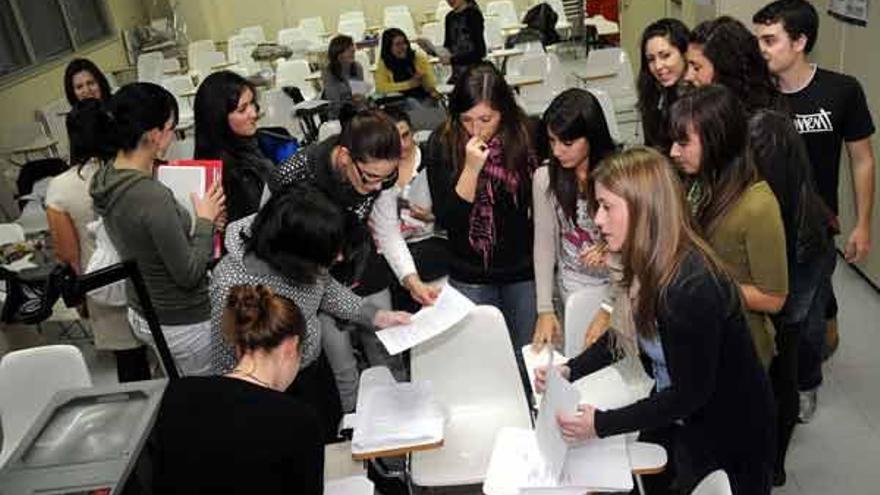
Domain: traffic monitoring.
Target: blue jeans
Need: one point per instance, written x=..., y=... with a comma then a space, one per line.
x=516, y=302
x=813, y=328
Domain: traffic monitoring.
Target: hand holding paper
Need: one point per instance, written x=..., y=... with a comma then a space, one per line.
x=578, y=427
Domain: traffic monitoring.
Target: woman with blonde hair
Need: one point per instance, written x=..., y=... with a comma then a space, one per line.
x=688, y=317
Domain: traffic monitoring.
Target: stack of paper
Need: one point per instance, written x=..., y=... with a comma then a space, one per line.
x=534, y=360
x=450, y=308
x=392, y=415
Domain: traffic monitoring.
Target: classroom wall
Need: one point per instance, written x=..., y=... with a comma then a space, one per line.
x=20, y=97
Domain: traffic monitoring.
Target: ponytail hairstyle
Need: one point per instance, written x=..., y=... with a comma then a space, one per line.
x=369, y=135
x=255, y=318
x=136, y=109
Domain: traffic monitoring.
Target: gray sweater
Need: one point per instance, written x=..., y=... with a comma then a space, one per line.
x=147, y=225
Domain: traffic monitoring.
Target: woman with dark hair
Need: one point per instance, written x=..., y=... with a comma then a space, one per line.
x=463, y=37
x=664, y=44
x=480, y=165
x=239, y=432
x=289, y=247
x=83, y=80
x=734, y=208
x=565, y=235
x=688, y=321
x=147, y=225
x=403, y=213
x=779, y=153
x=226, y=112
x=400, y=69
x=69, y=212
x=353, y=169
x=341, y=69
x=723, y=51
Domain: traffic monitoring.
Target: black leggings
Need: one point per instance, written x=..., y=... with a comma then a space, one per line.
x=784, y=379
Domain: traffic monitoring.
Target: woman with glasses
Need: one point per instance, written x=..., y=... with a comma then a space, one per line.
x=480, y=165
x=353, y=169
x=226, y=112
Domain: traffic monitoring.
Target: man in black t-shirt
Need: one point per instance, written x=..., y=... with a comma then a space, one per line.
x=829, y=110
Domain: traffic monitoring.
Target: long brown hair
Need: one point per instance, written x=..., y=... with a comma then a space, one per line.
x=660, y=233
x=482, y=83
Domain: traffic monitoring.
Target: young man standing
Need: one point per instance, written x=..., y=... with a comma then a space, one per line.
x=829, y=110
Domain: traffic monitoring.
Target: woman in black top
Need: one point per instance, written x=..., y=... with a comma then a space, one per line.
x=463, y=37
x=83, y=80
x=480, y=165
x=240, y=433
x=664, y=44
x=690, y=323
x=226, y=112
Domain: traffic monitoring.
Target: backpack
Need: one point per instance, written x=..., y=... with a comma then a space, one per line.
x=105, y=255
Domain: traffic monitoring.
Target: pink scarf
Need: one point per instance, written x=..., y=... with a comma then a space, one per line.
x=481, y=234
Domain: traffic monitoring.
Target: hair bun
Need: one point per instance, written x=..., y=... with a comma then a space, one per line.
x=249, y=303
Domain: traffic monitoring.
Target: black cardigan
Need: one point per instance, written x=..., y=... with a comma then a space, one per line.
x=719, y=392
x=511, y=259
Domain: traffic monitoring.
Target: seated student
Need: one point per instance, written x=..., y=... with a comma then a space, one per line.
x=146, y=224
x=226, y=112
x=400, y=69
x=404, y=213
x=781, y=158
x=69, y=211
x=733, y=207
x=663, y=66
x=463, y=37
x=724, y=51
x=480, y=165
x=341, y=68
x=240, y=433
x=689, y=322
x=83, y=80
x=353, y=169
x=289, y=246
x=566, y=240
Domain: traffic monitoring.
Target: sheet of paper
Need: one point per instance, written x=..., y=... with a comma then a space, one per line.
x=182, y=181
x=533, y=360
x=394, y=415
x=517, y=468
x=560, y=397
x=450, y=308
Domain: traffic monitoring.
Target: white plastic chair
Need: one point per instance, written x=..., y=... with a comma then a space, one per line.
x=361, y=57
x=149, y=67
x=395, y=9
x=474, y=373
x=492, y=33
x=170, y=66
x=355, y=28
x=314, y=32
x=53, y=116
x=255, y=33
x=621, y=87
x=199, y=46
x=536, y=97
x=329, y=128
x=505, y=11
x=433, y=32
x=278, y=110
x=28, y=379
x=181, y=149
x=715, y=483
x=353, y=14
x=580, y=308
x=203, y=64
x=607, y=105
x=402, y=21
x=10, y=233
x=182, y=88
x=294, y=73
x=239, y=50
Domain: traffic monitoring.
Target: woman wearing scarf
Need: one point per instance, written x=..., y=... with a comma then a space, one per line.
x=480, y=165
x=226, y=113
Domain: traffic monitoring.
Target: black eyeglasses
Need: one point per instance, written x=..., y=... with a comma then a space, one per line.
x=369, y=179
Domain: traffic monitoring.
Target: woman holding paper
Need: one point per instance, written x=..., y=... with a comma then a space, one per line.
x=688, y=312
x=271, y=442
x=146, y=224
x=480, y=165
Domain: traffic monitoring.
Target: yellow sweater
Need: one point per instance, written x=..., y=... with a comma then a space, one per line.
x=385, y=79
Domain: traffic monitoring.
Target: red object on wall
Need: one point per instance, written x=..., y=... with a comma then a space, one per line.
x=608, y=8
